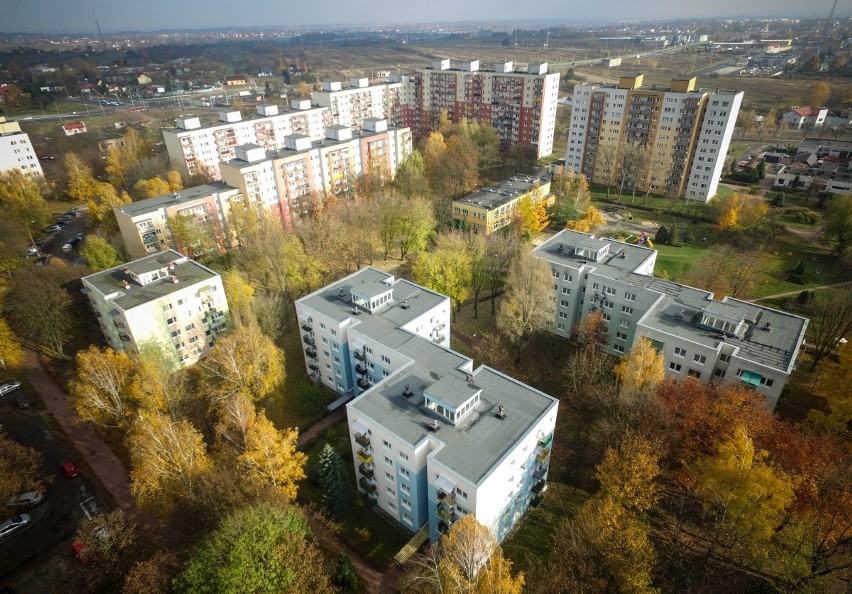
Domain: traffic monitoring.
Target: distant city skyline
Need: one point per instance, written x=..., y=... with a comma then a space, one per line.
x=55, y=16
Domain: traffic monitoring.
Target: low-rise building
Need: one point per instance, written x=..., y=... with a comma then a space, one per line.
x=700, y=336
x=805, y=117
x=495, y=207
x=72, y=128
x=819, y=165
x=16, y=150
x=433, y=439
x=164, y=300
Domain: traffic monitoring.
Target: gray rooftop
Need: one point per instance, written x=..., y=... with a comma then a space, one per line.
x=111, y=282
x=623, y=257
x=496, y=196
x=479, y=441
x=178, y=198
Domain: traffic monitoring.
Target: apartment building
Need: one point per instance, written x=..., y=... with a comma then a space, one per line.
x=144, y=225
x=290, y=179
x=672, y=141
x=351, y=105
x=165, y=300
x=433, y=439
x=16, y=150
x=195, y=149
x=519, y=104
x=700, y=336
x=493, y=208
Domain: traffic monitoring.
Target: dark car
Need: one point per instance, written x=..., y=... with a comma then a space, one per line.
x=70, y=469
x=22, y=401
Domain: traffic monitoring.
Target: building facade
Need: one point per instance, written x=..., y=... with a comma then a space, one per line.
x=16, y=150
x=433, y=439
x=164, y=300
x=493, y=208
x=196, y=150
x=805, y=117
x=699, y=336
x=144, y=225
x=669, y=141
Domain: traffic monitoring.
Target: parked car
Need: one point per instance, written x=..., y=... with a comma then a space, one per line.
x=9, y=527
x=28, y=499
x=22, y=401
x=41, y=261
x=82, y=552
x=66, y=249
x=9, y=386
x=32, y=251
x=79, y=236
x=54, y=228
x=70, y=469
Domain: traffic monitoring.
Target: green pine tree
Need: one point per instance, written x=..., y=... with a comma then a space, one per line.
x=337, y=492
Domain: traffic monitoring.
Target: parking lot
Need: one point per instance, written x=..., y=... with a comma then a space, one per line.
x=51, y=243
x=67, y=501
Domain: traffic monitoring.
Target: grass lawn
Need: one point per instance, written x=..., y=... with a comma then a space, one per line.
x=374, y=537
x=677, y=261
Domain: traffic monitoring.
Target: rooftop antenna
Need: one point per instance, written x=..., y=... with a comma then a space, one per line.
x=103, y=41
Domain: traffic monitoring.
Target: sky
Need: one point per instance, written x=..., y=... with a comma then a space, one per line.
x=78, y=16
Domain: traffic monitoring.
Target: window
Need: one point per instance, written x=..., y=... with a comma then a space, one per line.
x=404, y=488
x=389, y=477
x=386, y=359
x=406, y=518
x=699, y=358
x=765, y=381
x=618, y=348
x=680, y=352
x=563, y=303
x=719, y=372
x=566, y=291
x=171, y=321
x=693, y=373
x=563, y=315
x=621, y=336
x=674, y=367
x=388, y=461
x=630, y=296
x=624, y=324
x=404, y=472
x=386, y=444
x=627, y=310
x=403, y=455
x=724, y=358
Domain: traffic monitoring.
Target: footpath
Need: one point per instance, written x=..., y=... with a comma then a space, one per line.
x=97, y=454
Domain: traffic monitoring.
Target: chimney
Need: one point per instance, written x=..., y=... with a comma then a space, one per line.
x=501, y=412
x=171, y=265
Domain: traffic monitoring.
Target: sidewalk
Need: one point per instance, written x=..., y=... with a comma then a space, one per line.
x=798, y=291
x=100, y=458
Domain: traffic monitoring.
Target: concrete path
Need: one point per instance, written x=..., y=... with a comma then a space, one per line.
x=97, y=454
x=794, y=293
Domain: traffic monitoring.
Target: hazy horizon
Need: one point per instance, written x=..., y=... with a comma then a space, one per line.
x=56, y=17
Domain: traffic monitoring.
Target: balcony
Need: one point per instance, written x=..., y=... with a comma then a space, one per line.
x=545, y=442
x=361, y=356
x=307, y=328
x=365, y=456
x=313, y=367
x=445, y=515
x=361, y=369
x=311, y=352
x=372, y=497
x=362, y=440
x=447, y=499
x=363, y=384
x=540, y=472
x=308, y=340
x=366, y=471
x=539, y=488
x=543, y=455
x=366, y=485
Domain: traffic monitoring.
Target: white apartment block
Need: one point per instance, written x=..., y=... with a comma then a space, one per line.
x=433, y=439
x=195, y=149
x=700, y=336
x=350, y=106
x=165, y=299
x=144, y=225
x=16, y=150
x=680, y=135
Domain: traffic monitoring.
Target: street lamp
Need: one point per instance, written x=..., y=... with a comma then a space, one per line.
x=32, y=241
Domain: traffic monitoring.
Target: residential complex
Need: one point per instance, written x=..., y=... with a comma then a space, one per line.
x=16, y=150
x=669, y=141
x=164, y=300
x=519, y=104
x=285, y=182
x=433, y=438
x=702, y=337
x=819, y=165
x=197, y=150
x=492, y=208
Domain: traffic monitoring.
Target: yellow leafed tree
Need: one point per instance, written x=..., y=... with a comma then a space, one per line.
x=175, y=181
x=272, y=456
x=532, y=217
x=11, y=353
x=589, y=221
x=640, y=371
x=101, y=390
x=628, y=474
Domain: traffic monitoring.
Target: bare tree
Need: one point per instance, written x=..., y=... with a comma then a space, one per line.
x=830, y=320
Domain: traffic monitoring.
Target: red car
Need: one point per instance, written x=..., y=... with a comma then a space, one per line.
x=70, y=469
x=82, y=552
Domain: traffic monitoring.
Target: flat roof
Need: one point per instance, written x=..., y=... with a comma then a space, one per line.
x=623, y=257
x=247, y=118
x=480, y=439
x=142, y=207
x=507, y=191
x=111, y=282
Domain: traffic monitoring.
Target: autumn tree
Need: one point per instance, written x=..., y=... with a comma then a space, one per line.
x=262, y=549
x=271, y=458
x=192, y=236
x=20, y=469
x=590, y=220
x=467, y=560
x=40, y=307
x=830, y=315
x=241, y=298
x=244, y=361
x=111, y=541
x=633, y=161
x=337, y=492
x=640, y=371
x=150, y=188
x=98, y=253
x=838, y=398
x=402, y=222
x=725, y=270
x=817, y=94
x=161, y=384
x=605, y=162
x=532, y=215
x=571, y=196
x=11, y=352
x=446, y=269
x=103, y=386
x=747, y=495
x=21, y=199
x=529, y=304
x=153, y=575
x=167, y=459
x=738, y=212
x=629, y=474
x=838, y=223
x=500, y=251
x=410, y=178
